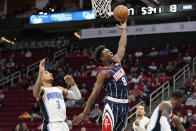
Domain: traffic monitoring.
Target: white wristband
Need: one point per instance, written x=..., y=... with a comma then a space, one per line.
x=74, y=93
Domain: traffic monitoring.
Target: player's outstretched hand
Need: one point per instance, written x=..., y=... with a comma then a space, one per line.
x=42, y=65
x=69, y=80
x=123, y=25
x=78, y=119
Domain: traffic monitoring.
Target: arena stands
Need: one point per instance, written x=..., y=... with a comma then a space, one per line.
x=19, y=99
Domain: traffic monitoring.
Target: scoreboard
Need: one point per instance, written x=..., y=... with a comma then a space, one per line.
x=162, y=9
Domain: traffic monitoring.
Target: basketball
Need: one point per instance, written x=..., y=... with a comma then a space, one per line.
x=121, y=13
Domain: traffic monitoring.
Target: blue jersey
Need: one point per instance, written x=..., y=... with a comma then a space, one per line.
x=116, y=85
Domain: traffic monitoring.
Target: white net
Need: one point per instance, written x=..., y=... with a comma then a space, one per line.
x=102, y=8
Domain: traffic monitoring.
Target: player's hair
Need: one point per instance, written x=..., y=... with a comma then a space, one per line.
x=140, y=105
x=98, y=53
x=176, y=94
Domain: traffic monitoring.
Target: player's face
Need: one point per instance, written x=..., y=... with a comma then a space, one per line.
x=47, y=76
x=107, y=55
x=140, y=111
x=179, y=102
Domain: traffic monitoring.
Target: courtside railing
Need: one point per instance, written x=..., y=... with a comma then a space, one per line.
x=134, y=108
x=9, y=80
x=161, y=91
x=34, y=67
x=194, y=65
x=181, y=73
x=60, y=53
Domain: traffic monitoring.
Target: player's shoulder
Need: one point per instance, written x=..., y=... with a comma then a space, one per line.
x=165, y=104
x=59, y=87
x=146, y=118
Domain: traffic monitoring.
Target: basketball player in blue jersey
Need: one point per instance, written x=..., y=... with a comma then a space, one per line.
x=113, y=79
x=51, y=99
x=175, y=123
x=159, y=119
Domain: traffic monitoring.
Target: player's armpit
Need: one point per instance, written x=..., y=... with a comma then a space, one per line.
x=178, y=123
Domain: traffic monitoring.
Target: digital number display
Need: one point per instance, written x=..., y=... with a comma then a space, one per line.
x=162, y=9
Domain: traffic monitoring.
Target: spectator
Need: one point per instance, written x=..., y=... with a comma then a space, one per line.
x=193, y=121
x=189, y=114
x=161, y=67
x=85, y=53
x=138, y=53
x=129, y=61
x=24, y=85
x=179, y=58
x=28, y=54
x=31, y=85
x=187, y=58
x=186, y=122
x=93, y=73
x=12, y=55
x=191, y=100
x=135, y=79
x=22, y=54
x=169, y=66
x=163, y=78
x=145, y=95
x=174, y=50
x=70, y=103
x=83, y=89
x=24, y=78
x=163, y=52
x=10, y=63
x=149, y=83
x=190, y=49
x=81, y=102
x=95, y=113
x=83, y=129
x=135, y=92
x=153, y=52
x=143, y=78
x=180, y=116
x=34, y=115
x=152, y=66
x=2, y=61
x=25, y=115
x=21, y=127
x=35, y=108
x=2, y=97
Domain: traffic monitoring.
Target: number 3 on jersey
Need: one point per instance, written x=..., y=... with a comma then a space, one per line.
x=58, y=104
x=124, y=81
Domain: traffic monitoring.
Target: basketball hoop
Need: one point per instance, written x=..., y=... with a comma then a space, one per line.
x=101, y=8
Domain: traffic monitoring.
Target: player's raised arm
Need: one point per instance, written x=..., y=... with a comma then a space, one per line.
x=37, y=90
x=166, y=111
x=96, y=90
x=122, y=43
x=73, y=92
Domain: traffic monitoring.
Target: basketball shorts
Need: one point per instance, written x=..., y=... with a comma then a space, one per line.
x=115, y=116
x=55, y=126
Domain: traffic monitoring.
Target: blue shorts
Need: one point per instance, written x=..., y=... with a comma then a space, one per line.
x=115, y=116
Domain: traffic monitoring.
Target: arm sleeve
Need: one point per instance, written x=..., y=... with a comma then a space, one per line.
x=164, y=124
x=74, y=93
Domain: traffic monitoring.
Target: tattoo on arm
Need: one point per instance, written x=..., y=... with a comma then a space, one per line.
x=37, y=89
x=166, y=109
